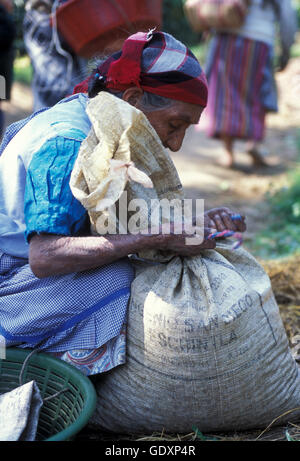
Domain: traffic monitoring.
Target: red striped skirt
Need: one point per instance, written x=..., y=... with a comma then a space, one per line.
x=241, y=87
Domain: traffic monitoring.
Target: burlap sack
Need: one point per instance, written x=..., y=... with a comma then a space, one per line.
x=205, y=342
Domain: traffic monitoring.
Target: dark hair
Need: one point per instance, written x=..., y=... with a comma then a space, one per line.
x=97, y=81
x=96, y=84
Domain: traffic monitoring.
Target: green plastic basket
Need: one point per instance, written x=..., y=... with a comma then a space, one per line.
x=63, y=416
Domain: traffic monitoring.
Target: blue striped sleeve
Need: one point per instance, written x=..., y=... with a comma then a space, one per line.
x=49, y=205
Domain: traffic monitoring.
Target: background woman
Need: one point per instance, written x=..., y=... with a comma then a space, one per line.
x=240, y=76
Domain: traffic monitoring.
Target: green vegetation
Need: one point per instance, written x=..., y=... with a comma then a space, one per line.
x=295, y=50
x=175, y=22
x=19, y=6
x=296, y=4
x=200, y=52
x=23, y=70
x=281, y=236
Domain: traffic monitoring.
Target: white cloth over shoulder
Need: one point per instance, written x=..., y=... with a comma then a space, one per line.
x=19, y=413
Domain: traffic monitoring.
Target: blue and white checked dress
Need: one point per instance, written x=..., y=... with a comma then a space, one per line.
x=79, y=317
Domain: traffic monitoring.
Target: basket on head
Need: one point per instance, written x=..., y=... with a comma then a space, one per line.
x=63, y=416
x=95, y=26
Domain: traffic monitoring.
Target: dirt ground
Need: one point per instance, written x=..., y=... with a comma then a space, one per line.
x=242, y=188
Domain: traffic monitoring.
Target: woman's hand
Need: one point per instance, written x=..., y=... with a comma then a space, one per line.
x=224, y=218
x=215, y=220
x=184, y=243
x=56, y=255
x=51, y=255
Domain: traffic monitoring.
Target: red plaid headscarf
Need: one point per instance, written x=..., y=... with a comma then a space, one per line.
x=157, y=63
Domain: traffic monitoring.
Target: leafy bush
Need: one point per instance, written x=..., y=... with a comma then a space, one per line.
x=281, y=236
x=175, y=23
x=18, y=19
x=296, y=4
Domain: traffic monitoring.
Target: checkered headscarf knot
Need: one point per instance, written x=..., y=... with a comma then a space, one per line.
x=157, y=63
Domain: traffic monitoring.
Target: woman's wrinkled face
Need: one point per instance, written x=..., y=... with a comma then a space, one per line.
x=171, y=123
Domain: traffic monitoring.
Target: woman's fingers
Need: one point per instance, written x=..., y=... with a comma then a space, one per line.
x=190, y=244
x=224, y=218
x=229, y=222
x=239, y=221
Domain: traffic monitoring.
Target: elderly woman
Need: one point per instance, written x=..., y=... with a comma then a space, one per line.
x=64, y=290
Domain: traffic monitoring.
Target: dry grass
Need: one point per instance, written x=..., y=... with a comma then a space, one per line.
x=285, y=277
x=288, y=432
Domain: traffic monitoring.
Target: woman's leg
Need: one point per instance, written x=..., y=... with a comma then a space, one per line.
x=254, y=150
x=227, y=159
x=79, y=317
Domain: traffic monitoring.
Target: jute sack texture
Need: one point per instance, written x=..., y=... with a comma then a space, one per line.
x=206, y=344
